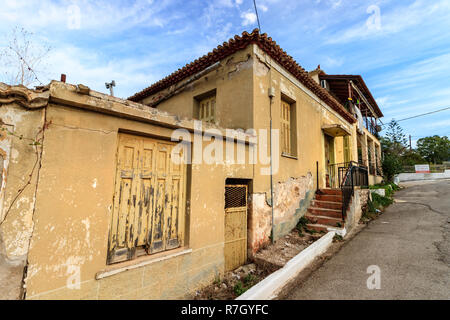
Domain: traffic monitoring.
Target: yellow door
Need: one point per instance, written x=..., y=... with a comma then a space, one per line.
x=235, y=226
x=148, y=213
x=329, y=161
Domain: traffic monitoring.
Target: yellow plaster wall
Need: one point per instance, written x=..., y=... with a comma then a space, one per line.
x=17, y=193
x=73, y=213
x=311, y=116
x=233, y=84
x=17, y=226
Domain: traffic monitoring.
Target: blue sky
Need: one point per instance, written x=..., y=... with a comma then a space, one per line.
x=404, y=56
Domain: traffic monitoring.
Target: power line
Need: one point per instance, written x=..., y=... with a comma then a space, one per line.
x=257, y=16
x=421, y=115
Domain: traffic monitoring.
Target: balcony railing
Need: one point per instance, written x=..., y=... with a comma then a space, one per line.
x=370, y=126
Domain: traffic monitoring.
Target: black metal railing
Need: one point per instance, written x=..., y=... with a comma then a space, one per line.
x=334, y=174
x=371, y=126
x=352, y=176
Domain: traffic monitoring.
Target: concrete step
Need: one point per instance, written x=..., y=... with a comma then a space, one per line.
x=329, y=197
x=326, y=204
x=331, y=191
x=333, y=213
x=322, y=227
x=324, y=220
x=317, y=227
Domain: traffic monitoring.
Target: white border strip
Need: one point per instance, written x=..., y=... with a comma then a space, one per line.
x=268, y=288
x=108, y=273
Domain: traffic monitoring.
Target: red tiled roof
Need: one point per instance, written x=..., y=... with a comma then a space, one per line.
x=238, y=43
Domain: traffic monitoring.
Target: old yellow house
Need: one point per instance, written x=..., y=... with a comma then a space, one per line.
x=155, y=196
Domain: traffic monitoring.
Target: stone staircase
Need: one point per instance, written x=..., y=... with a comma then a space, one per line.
x=326, y=211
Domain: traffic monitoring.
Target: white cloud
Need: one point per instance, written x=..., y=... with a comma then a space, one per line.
x=263, y=7
x=394, y=21
x=414, y=74
x=333, y=62
x=92, y=69
x=102, y=15
x=248, y=18
x=336, y=3
x=442, y=123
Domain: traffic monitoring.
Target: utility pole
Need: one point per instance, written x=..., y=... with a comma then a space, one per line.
x=410, y=143
x=110, y=85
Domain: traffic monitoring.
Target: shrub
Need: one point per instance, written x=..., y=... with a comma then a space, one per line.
x=239, y=288
x=395, y=187
x=301, y=225
x=391, y=166
x=249, y=279
x=380, y=201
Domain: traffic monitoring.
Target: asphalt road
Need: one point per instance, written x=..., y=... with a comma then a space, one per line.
x=410, y=244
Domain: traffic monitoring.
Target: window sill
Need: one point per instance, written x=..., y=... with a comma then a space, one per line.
x=140, y=262
x=289, y=156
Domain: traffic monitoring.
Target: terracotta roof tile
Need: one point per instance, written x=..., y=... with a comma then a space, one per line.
x=238, y=43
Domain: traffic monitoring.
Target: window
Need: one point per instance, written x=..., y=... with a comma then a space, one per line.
x=287, y=127
x=148, y=213
x=347, y=149
x=207, y=109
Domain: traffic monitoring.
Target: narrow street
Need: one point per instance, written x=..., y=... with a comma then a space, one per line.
x=410, y=243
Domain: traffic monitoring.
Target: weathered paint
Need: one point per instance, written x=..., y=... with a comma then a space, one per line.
x=74, y=138
x=68, y=212
x=235, y=246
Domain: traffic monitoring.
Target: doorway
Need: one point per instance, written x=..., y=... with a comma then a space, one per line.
x=235, y=225
x=329, y=161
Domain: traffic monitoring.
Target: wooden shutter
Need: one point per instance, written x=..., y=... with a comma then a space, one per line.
x=347, y=149
x=148, y=200
x=122, y=232
x=285, y=135
x=207, y=109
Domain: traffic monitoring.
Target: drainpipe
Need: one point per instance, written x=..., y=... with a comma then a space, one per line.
x=271, y=92
x=271, y=95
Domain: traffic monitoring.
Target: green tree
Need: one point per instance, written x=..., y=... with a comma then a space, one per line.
x=395, y=140
x=393, y=146
x=412, y=157
x=391, y=166
x=434, y=149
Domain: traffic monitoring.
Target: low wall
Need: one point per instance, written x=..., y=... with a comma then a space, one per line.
x=357, y=207
x=423, y=176
x=270, y=287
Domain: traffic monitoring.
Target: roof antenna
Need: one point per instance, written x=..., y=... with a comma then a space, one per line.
x=110, y=85
x=257, y=16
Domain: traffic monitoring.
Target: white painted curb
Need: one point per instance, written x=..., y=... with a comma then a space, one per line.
x=268, y=288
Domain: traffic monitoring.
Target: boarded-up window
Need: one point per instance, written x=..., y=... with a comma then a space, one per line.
x=287, y=128
x=207, y=109
x=148, y=213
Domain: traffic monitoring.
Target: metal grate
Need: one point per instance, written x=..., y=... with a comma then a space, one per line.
x=235, y=196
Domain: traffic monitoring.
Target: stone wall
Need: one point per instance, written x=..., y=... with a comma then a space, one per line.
x=292, y=199
x=357, y=206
